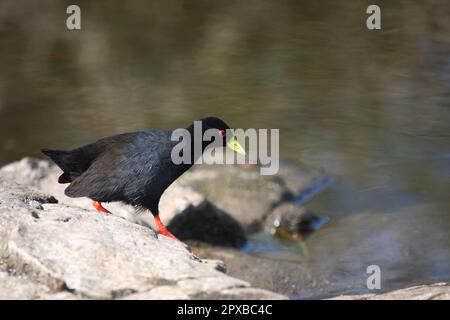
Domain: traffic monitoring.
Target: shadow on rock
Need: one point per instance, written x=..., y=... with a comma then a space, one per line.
x=208, y=224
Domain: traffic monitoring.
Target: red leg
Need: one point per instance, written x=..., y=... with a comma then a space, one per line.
x=162, y=228
x=99, y=207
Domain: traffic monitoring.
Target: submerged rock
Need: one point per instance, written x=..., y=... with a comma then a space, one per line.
x=289, y=221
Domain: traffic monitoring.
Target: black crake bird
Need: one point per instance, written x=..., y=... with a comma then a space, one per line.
x=135, y=168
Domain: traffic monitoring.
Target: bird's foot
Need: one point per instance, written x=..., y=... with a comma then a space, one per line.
x=166, y=233
x=163, y=230
x=98, y=206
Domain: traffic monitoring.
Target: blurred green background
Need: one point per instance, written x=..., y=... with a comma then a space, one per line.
x=369, y=107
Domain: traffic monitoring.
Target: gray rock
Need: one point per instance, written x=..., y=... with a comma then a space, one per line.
x=437, y=291
x=70, y=252
x=240, y=191
x=249, y=197
x=41, y=175
x=20, y=288
x=234, y=197
x=216, y=290
x=196, y=217
x=291, y=222
x=297, y=179
x=54, y=247
x=249, y=294
x=62, y=295
x=159, y=293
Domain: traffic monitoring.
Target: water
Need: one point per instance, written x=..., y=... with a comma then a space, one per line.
x=371, y=108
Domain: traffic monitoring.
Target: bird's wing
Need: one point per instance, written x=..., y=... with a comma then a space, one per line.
x=75, y=162
x=122, y=171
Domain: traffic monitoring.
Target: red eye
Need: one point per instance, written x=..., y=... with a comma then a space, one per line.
x=222, y=133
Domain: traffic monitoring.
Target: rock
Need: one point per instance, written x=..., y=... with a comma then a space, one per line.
x=20, y=288
x=237, y=195
x=250, y=197
x=291, y=222
x=298, y=280
x=167, y=292
x=62, y=295
x=54, y=247
x=297, y=179
x=287, y=278
x=70, y=252
x=249, y=294
x=437, y=291
x=41, y=175
x=242, y=192
x=193, y=288
x=180, y=201
x=159, y=293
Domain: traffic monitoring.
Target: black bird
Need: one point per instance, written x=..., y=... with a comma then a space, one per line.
x=134, y=167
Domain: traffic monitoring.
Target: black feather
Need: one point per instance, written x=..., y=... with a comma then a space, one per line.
x=135, y=168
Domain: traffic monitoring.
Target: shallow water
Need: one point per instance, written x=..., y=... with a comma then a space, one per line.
x=371, y=108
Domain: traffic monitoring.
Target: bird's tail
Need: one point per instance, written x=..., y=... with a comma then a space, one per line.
x=63, y=160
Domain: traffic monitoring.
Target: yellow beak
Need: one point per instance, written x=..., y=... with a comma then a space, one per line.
x=234, y=145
